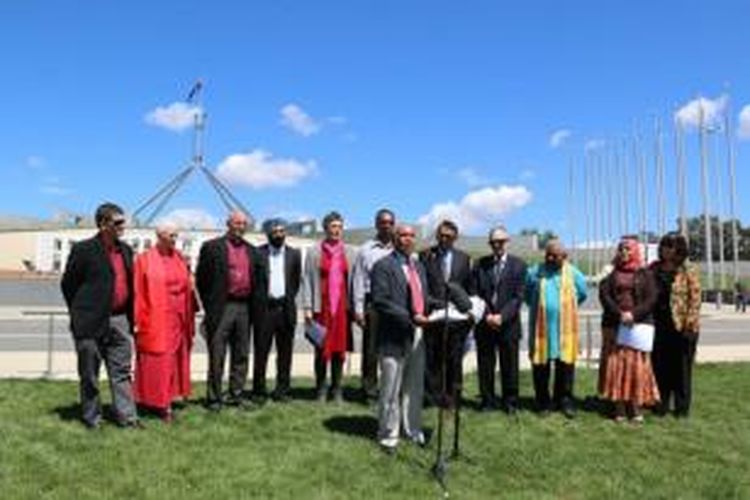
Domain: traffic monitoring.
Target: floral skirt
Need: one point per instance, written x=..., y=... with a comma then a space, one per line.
x=630, y=378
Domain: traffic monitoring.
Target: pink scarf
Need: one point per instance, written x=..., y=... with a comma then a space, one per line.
x=334, y=251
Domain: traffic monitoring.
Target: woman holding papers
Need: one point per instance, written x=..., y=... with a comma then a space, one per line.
x=627, y=296
x=677, y=318
x=325, y=300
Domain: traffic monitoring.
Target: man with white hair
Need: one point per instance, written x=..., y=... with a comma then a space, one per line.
x=499, y=279
x=165, y=324
x=231, y=280
x=399, y=295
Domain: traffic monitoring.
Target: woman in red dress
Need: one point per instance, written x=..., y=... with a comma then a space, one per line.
x=164, y=320
x=325, y=300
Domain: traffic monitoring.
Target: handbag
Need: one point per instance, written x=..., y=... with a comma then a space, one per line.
x=638, y=336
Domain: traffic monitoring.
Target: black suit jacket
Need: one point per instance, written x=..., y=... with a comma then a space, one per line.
x=87, y=286
x=211, y=280
x=507, y=291
x=292, y=277
x=460, y=274
x=391, y=299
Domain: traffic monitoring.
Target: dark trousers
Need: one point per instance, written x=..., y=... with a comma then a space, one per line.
x=369, y=365
x=444, y=351
x=233, y=331
x=563, y=387
x=274, y=329
x=491, y=345
x=321, y=367
x=672, y=358
x=115, y=349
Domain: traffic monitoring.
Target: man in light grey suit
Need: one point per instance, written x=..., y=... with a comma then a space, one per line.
x=399, y=295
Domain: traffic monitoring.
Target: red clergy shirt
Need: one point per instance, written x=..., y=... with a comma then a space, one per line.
x=240, y=271
x=120, y=291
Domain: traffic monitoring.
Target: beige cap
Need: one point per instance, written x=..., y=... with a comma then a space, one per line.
x=499, y=233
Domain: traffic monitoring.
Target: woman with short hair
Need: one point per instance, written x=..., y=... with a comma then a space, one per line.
x=677, y=321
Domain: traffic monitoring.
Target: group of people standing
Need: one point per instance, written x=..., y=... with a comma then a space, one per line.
x=650, y=327
x=416, y=312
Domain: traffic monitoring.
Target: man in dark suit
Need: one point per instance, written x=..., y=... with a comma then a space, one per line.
x=230, y=279
x=445, y=265
x=399, y=295
x=278, y=311
x=499, y=280
x=98, y=290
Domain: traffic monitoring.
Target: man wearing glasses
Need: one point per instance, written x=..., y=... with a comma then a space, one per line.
x=98, y=290
x=448, y=275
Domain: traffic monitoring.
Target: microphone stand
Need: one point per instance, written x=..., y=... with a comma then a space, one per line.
x=440, y=467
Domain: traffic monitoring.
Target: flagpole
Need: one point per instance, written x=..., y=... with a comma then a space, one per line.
x=731, y=166
x=705, y=195
x=681, y=175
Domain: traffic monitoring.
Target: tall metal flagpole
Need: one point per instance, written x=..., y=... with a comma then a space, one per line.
x=719, y=211
x=596, y=215
x=624, y=176
x=571, y=208
x=681, y=175
x=705, y=195
x=641, y=188
x=611, y=195
x=587, y=209
x=731, y=166
x=661, y=199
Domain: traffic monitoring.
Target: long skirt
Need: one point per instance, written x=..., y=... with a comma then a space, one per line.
x=609, y=345
x=629, y=378
x=162, y=378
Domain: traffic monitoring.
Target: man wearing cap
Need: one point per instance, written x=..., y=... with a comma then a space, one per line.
x=364, y=314
x=231, y=281
x=278, y=311
x=499, y=280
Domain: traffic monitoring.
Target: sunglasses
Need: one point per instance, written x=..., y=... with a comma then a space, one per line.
x=118, y=222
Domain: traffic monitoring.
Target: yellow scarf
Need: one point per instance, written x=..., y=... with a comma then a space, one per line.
x=568, y=320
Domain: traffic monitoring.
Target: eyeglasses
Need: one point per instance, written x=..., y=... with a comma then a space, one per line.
x=497, y=242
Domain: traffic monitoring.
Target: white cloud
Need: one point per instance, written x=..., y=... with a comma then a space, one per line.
x=480, y=208
x=559, y=137
x=34, y=162
x=744, y=126
x=189, y=218
x=258, y=169
x=178, y=116
x=713, y=112
x=471, y=177
x=593, y=144
x=337, y=120
x=297, y=120
x=54, y=190
x=526, y=175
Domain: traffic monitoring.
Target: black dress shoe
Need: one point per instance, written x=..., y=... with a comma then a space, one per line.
x=214, y=406
x=569, y=411
x=487, y=405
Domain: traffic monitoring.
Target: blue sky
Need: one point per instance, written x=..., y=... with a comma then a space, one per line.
x=355, y=105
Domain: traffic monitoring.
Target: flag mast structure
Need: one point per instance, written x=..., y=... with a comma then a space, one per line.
x=156, y=203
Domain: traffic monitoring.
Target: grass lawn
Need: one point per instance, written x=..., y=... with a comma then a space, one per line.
x=309, y=450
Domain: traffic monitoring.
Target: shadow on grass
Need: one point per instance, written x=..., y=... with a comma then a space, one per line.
x=362, y=426
x=68, y=413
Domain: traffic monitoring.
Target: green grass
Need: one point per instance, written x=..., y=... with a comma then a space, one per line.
x=308, y=450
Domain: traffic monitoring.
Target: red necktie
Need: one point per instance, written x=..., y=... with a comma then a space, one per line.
x=415, y=286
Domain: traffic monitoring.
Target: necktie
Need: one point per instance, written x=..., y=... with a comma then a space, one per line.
x=415, y=287
x=497, y=270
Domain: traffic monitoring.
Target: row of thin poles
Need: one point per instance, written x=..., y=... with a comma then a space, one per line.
x=623, y=186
